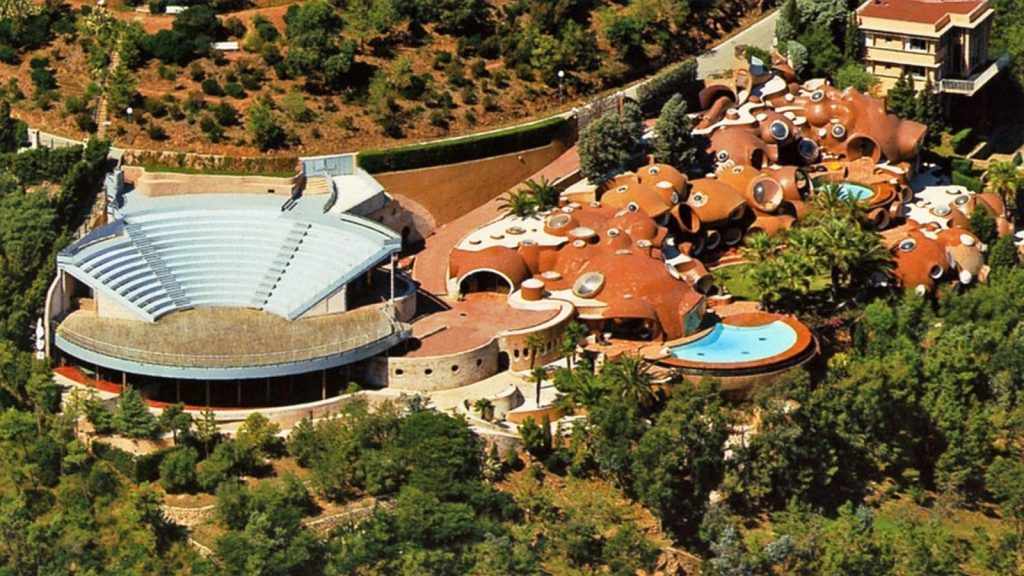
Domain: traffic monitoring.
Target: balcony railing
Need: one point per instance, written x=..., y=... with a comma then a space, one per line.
x=971, y=85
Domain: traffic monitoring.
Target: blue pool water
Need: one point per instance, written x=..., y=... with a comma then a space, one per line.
x=849, y=190
x=725, y=343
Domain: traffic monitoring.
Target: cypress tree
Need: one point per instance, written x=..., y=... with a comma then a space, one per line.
x=851, y=40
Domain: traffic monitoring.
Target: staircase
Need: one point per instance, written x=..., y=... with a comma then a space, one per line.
x=158, y=266
x=278, y=266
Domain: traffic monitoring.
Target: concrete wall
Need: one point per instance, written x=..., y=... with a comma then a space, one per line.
x=432, y=373
x=171, y=183
x=106, y=307
x=519, y=416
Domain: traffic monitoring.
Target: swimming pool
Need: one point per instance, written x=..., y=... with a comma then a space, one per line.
x=849, y=190
x=727, y=344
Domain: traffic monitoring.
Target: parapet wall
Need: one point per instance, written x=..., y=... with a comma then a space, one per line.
x=173, y=183
x=433, y=373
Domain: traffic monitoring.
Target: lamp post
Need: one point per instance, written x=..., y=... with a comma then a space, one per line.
x=561, y=80
x=129, y=111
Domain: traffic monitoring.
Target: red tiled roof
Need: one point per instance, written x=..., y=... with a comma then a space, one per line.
x=923, y=11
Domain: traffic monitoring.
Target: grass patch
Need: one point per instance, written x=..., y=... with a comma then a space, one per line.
x=737, y=281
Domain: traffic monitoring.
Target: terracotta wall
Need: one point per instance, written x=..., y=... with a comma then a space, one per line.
x=447, y=192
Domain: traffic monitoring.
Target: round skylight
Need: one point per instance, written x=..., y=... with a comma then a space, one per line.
x=588, y=285
x=908, y=245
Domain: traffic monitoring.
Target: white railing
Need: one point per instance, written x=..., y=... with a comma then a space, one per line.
x=972, y=85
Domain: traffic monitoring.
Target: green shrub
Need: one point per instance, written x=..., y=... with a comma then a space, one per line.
x=123, y=461
x=178, y=470
x=962, y=165
x=971, y=183
x=462, y=149
x=963, y=141
x=212, y=87
x=157, y=132
x=681, y=79
x=235, y=90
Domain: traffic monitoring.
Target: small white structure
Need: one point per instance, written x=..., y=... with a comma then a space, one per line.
x=225, y=46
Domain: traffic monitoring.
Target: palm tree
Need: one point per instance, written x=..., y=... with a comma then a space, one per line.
x=852, y=255
x=631, y=378
x=543, y=192
x=574, y=332
x=485, y=408
x=1004, y=179
x=538, y=375
x=830, y=202
x=519, y=203
x=534, y=342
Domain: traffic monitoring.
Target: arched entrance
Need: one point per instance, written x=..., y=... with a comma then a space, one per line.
x=485, y=281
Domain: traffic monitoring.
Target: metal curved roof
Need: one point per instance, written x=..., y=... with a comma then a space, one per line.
x=154, y=263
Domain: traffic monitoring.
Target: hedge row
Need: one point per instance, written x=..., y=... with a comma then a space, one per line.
x=679, y=79
x=142, y=468
x=963, y=141
x=462, y=149
x=971, y=183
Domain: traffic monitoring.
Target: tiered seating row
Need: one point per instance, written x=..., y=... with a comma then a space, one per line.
x=170, y=261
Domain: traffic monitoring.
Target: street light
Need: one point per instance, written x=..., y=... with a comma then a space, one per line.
x=561, y=79
x=129, y=112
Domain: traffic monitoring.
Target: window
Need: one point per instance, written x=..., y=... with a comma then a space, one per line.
x=915, y=71
x=915, y=45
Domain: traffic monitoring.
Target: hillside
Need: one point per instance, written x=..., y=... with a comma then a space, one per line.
x=397, y=72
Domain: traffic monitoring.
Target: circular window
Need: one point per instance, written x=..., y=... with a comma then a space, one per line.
x=588, y=285
x=622, y=189
x=807, y=149
x=722, y=156
x=962, y=200
x=737, y=170
x=675, y=198
x=839, y=131
x=643, y=243
x=428, y=371
x=817, y=96
x=613, y=232
x=399, y=372
x=558, y=221
x=633, y=207
x=967, y=240
x=455, y=368
x=936, y=272
x=515, y=354
x=942, y=211
x=779, y=130
x=579, y=243
x=698, y=199
x=653, y=170
x=479, y=362
x=908, y=245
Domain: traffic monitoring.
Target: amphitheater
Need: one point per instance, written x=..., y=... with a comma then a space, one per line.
x=229, y=298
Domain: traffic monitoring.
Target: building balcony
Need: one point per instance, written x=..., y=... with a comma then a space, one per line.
x=969, y=86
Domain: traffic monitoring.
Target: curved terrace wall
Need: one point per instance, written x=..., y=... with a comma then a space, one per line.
x=433, y=373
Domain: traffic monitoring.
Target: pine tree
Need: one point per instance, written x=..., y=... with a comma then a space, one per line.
x=900, y=99
x=674, y=141
x=132, y=418
x=789, y=24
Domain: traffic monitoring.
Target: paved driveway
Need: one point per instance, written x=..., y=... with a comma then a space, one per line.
x=719, y=58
